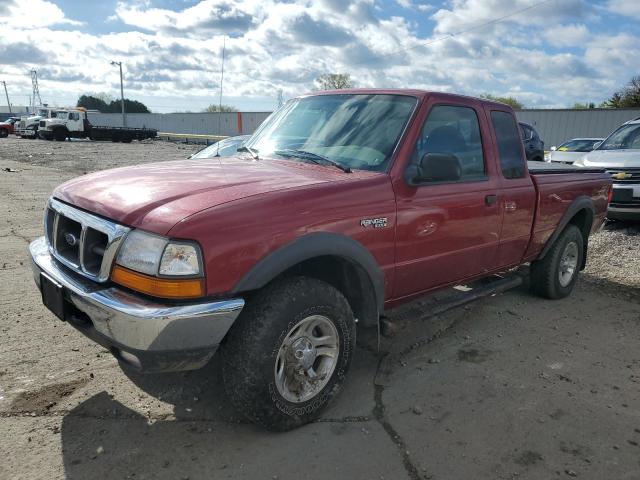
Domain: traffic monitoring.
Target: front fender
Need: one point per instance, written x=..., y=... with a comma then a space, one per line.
x=311, y=246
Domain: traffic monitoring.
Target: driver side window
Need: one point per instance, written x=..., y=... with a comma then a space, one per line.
x=454, y=130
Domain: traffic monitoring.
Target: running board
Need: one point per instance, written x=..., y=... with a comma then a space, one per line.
x=448, y=299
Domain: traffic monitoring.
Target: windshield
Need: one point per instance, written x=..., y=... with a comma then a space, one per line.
x=60, y=114
x=42, y=112
x=580, y=145
x=223, y=148
x=626, y=137
x=358, y=131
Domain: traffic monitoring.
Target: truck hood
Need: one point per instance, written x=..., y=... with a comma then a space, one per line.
x=156, y=196
x=611, y=159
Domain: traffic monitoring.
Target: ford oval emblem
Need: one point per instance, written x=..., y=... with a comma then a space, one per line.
x=71, y=239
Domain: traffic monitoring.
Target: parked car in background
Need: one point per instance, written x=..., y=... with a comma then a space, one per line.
x=572, y=150
x=533, y=144
x=224, y=148
x=619, y=155
x=360, y=200
x=8, y=126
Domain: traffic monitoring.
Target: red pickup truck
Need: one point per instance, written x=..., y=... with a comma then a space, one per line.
x=342, y=205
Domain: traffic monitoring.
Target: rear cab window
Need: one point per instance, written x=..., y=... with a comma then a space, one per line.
x=509, y=144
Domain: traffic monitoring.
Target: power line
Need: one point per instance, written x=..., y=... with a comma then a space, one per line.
x=455, y=34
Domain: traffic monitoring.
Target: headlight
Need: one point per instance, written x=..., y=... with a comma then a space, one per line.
x=153, y=255
x=159, y=267
x=142, y=252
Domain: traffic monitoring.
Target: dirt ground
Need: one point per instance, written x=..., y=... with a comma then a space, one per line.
x=508, y=387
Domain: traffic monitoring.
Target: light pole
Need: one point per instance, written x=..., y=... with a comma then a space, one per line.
x=7, y=94
x=124, y=116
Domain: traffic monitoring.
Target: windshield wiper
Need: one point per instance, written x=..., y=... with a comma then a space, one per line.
x=314, y=157
x=252, y=151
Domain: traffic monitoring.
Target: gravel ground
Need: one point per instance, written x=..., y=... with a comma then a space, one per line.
x=614, y=254
x=509, y=387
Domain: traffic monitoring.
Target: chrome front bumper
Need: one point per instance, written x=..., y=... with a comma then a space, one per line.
x=143, y=333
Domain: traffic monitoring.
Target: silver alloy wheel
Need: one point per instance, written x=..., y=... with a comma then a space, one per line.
x=568, y=263
x=307, y=358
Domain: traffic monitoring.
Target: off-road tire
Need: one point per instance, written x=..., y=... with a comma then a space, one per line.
x=545, y=273
x=251, y=348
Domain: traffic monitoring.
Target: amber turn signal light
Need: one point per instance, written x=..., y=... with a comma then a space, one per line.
x=158, y=287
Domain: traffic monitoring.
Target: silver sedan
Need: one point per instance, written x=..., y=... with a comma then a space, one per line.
x=572, y=150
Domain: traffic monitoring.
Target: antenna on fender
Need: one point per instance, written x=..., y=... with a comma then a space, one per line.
x=224, y=42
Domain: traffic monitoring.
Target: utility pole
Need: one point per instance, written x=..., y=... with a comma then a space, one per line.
x=7, y=94
x=124, y=116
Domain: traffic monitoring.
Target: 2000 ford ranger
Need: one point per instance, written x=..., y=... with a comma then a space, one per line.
x=342, y=204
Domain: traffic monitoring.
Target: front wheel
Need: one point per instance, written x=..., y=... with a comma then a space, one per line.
x=4, y=133
x=555, y=275
x=288, y=353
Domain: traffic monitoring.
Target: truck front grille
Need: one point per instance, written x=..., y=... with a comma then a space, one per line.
x=624, y=175
x=83, y=242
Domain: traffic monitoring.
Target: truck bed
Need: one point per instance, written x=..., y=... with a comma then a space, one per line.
x=557, y=186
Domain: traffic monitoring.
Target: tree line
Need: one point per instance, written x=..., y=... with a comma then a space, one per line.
x=107, y=105
x=627, y=97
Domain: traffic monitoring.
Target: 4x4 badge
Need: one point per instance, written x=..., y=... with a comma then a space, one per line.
x=374, y=222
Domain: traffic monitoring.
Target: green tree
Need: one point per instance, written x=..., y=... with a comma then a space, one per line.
x=627, y=97
x=220, y=108
x=91, y=102
x=334, y=81
x=130, y=106
x=583, y=106
x=515, y=103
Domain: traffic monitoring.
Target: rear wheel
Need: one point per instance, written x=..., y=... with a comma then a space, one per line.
x=287, y=355
x=555, y=275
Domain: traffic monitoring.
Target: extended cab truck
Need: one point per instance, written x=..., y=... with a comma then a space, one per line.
x=73, y=123
x=342, y=205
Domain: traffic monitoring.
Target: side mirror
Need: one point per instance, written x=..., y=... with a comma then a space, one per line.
x=554, y=148
x=435, y=167
x=596, y=145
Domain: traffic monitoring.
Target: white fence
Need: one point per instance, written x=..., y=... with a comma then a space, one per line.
x=554, y=126
x=227, y=124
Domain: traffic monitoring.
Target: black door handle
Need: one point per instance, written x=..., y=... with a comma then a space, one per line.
x=490, y=199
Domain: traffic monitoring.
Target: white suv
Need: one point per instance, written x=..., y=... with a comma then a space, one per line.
x=619, y=155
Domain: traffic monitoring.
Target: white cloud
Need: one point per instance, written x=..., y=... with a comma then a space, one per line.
x=34, y=14
x=572, y=35
x=274, y=45
x=627, y=8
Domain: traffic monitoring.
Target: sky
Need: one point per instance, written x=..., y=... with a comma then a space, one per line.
x=548, y=54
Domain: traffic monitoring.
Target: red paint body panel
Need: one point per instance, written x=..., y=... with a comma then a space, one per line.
x=240, y=210
x=555, y=194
